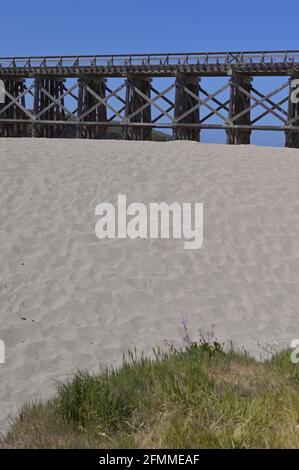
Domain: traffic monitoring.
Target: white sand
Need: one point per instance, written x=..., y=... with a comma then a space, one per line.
x=69, y=300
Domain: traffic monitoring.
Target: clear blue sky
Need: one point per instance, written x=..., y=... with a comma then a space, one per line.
x=33, y=27
x=95, y=26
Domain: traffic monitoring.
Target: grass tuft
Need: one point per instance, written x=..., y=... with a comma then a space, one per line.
x=195, y=397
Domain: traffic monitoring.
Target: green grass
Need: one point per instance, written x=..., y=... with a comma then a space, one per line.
x=158, y=136
x=197, y=397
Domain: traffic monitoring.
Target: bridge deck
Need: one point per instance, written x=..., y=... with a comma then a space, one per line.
x=76, y=96
x=209, y=64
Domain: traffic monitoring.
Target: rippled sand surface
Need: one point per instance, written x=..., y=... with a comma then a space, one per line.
x=71, y=301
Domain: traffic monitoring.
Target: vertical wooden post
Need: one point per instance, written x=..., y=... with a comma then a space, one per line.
x=292, y=137
x=55, y=113
x=135, y=101
x=185, y=102
x=5, y=129
x=87, y=101
x=80, y=108
x=36, y=107
x=239, y=102
x=15, y=88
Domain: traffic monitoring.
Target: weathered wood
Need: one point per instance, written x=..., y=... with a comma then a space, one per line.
x=186, y=107
x=137, y=108
x=48, y=106
x=274, y=105
x=91, y=107
x=35, y=129
x=166, y=64
x=41, y=109
x=239, y=106
x=14, y=108
x=282, y=101
x=259, y=102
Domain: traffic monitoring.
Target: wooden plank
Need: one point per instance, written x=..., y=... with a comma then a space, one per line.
x=239, y=109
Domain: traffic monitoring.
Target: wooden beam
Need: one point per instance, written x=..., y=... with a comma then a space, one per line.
x=186, y=108
x=92, y=106
x=239, y=109
x=137, y=108
x=14, y=107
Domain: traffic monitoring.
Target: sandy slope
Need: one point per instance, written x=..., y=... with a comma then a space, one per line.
x=69, y=300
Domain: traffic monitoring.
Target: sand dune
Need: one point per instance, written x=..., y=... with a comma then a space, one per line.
x=70, y=300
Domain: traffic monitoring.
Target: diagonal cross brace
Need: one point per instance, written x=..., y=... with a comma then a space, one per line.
x=272, y=103
x=221, y=105
x=14, y=100
x=204, y=102
x=275, y=105
x=258, y=101
x=56, y=101
x=103, y=101
x=152, y=101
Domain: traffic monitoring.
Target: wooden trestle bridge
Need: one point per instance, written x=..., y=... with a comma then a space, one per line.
x=74, y=96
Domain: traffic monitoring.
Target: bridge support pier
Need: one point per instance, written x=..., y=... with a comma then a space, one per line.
x=137, y=108
x=90, y=108
x=239, y=110
x=186, y=107
x=10, y=110
x=292, y=137
x=48, y=106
